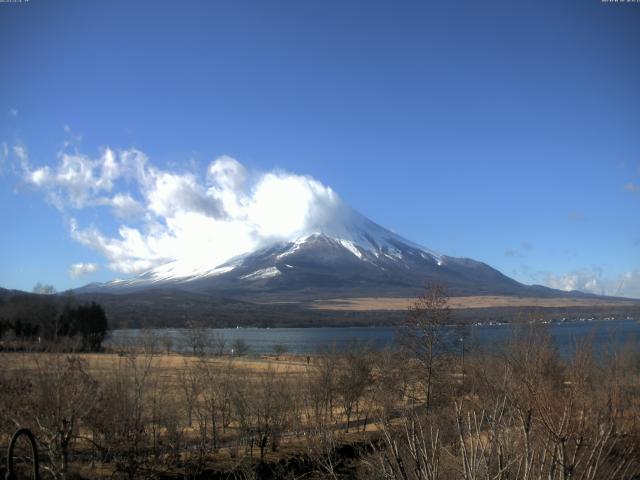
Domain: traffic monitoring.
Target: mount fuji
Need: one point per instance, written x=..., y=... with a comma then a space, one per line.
x=339, y=253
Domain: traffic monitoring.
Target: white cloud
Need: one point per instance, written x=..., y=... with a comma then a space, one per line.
x=283, y=204
x=166, y=216
x=170, y=193
x=125, y=206
x=628, y=284
x=20, y=152
x=79, y=269
x=594, y=281
x=226, y=179
x=227, y=173
x=127, y=254
x=79, y=181
x=582, y=280
x=72, y=183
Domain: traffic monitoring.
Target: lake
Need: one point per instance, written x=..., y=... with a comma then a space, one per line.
x=566, y=336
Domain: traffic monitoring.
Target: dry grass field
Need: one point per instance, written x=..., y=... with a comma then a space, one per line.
x=380, y=303
x=344, y=415
x=167, y=365
x=266, y=397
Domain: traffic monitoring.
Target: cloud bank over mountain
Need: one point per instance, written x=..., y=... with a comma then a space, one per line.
x=165, y=215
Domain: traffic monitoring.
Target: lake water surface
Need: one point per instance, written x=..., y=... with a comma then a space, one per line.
x=603, y=334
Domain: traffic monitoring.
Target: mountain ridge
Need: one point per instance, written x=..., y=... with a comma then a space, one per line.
x=344, y=254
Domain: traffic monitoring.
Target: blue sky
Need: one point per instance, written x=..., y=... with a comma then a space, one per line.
x=508, y=132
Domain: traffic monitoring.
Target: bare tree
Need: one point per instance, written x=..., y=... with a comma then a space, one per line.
x=321, y=388
x=322, y=446
x=410, y=451
x=196, y=338
x=424, y=334
x=150, y=342
x=354, y=377
x=215, y=389
x=261, y=410
x=122, y=420
x=270, y=408
x=536, y=417
x=392, y=382
x=218, y=343
x=190, y=386
x=239, y=347
x=62, y=395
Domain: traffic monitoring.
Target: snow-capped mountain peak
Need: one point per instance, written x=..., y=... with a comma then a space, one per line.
x=343, y=253
x=348, y=229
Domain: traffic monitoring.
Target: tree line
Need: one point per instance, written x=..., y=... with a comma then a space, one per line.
x=43, y=318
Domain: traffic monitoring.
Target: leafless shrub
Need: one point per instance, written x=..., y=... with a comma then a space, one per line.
x=190, y=387
x=353, y=379
x=262, y=410
x=215, y=405
x=410, y=451
x=52, y=402
x=121, y=424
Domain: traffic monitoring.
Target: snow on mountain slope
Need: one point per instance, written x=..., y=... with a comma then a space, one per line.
x=339, y=254
x=349, y=229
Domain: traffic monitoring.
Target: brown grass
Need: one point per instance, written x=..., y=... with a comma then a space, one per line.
x=167, y=368
x=165, y=364
x=378, y=303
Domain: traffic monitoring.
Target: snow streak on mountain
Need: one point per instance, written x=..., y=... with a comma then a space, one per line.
x=338, y=253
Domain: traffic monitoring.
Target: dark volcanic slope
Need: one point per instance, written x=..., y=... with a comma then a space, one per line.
x=343, y=254
x=323, y=267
